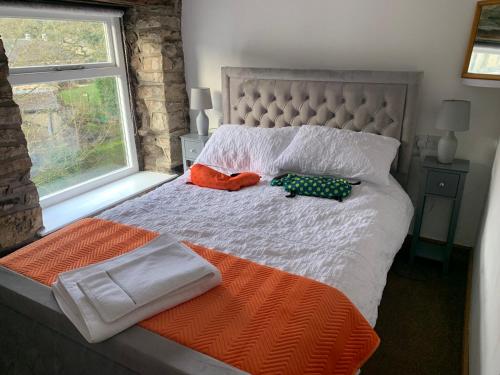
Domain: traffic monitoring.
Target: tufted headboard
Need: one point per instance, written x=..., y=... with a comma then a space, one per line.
x=369, y=101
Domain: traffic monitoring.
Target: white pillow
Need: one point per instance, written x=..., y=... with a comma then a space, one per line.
x=239, y=148
x=320, y=150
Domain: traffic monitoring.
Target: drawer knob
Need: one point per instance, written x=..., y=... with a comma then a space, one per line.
x=441, y=184
x=192, y=150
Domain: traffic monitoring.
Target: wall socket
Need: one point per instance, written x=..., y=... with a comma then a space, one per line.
x=426, y=144
x=218, y=118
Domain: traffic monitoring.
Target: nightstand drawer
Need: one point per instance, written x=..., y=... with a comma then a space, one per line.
x=442, y=183
x=192, y=149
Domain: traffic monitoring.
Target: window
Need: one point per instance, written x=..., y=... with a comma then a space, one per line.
x=69, y=79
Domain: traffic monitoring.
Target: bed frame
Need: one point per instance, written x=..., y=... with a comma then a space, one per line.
x=368, y=101
x=37, y=338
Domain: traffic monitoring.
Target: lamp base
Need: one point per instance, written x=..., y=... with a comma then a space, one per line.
x=447, y=147
x=202, y=123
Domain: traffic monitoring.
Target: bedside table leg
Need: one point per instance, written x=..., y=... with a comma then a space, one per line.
x=413, y=250
x=416, y=228
x=451, y=235
x=446, y=263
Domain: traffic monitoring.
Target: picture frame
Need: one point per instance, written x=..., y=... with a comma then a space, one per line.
x=482, y=60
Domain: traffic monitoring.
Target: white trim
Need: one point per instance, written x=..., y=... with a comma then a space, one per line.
x=64, y=75
x=481, y=82
x=116, y=40
x=61, y=68
x=124, y=97
x=115, y=68
x=52, y=11
x=94, y=201
x=111, y=42
x=94, y=183
x=113, y=45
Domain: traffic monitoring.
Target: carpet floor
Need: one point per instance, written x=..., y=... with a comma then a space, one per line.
x=421, y=319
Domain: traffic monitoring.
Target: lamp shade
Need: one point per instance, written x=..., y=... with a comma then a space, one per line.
x=454, y=115
x=200, y=98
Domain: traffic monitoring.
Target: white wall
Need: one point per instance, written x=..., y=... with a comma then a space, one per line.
x=426, y=35
x=484, y=343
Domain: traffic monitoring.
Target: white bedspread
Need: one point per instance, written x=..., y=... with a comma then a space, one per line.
x=348, y=245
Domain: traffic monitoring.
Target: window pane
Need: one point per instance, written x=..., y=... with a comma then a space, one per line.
x=33, y=42
x=73, y=129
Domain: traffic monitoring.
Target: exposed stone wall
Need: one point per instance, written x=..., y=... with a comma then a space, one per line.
x=153, y=37
x=20, y=213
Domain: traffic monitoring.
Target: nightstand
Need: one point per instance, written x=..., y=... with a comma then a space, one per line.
x=444, y=181
x=192, y=144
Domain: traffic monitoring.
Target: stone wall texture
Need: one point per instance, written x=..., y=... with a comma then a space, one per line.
x=154, y=47
x=20, y=213
x=153, y=37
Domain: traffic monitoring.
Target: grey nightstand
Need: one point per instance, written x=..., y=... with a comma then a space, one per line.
x=443, y=181
x=192, y=144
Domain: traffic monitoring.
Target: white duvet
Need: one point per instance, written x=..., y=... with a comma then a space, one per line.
x=348, y=245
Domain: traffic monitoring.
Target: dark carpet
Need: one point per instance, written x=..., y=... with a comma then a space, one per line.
x=421, y=318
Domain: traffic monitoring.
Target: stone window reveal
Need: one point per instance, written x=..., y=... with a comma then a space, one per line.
x=152, y=36
x=69, y=79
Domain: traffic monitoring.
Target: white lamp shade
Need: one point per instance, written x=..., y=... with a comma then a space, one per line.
x=454, y=115
x=201, y=98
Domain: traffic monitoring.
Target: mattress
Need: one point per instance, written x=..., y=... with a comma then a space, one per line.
x=348, y=245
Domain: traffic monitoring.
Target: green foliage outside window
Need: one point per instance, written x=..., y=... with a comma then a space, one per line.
x=31, y=42
x=73, y=128
x=87, y=140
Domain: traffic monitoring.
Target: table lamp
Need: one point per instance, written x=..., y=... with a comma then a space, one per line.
x=453, y=116
x=201, y=100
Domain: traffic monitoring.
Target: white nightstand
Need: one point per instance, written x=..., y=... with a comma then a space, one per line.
x=192, y=144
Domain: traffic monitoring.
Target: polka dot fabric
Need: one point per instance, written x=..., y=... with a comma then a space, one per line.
x=314, y=186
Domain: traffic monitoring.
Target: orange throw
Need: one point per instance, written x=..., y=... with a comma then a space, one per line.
x=260, y=319
x=204, y=176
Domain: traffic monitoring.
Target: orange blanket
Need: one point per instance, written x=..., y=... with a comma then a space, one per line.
x=260, y=319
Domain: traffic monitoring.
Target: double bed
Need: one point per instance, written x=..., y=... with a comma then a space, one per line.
x=348, y=245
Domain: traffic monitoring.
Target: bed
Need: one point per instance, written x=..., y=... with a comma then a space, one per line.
x=350, y=246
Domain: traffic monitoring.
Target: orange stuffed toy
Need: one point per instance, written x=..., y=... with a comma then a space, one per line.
x=204, y=176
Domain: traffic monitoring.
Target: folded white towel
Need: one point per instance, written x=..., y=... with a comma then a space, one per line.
x=105, y=298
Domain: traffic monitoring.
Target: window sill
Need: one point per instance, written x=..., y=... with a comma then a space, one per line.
x=61, y=214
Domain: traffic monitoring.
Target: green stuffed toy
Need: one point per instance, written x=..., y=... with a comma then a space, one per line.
x=315, y=186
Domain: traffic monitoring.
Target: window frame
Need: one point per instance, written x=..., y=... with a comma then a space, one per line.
x=116, y=68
